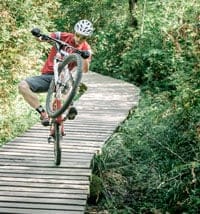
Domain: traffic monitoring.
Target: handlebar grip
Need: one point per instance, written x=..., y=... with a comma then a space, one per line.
x=44, y=37
x=36, y=32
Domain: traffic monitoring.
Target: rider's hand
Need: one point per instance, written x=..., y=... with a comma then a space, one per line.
x=36, y=32
x=85, y=54
x=41, y=37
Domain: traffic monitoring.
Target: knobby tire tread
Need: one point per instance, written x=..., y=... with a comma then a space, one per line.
x=57, y=146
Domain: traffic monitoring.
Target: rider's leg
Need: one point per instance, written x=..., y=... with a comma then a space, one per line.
x=32, y=85
x=71, y=111
x=30, y=97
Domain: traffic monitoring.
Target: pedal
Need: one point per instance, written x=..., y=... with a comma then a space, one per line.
x=50, y=139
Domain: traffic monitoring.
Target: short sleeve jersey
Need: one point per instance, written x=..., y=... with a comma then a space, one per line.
x=68, y=38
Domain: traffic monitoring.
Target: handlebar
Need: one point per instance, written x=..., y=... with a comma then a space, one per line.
x=37, y=33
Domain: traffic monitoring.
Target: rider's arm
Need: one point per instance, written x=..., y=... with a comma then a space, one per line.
x=87, y=59
x=86, y=65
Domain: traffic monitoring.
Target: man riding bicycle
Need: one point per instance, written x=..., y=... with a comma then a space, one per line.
x=37, y=84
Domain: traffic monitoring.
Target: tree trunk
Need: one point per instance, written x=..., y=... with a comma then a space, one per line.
x=132, y=6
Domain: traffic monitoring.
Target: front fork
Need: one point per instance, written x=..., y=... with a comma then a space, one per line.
x=59, y=120
x=57, y=104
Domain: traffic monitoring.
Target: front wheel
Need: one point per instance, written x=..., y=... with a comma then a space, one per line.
x=57, y=144
x=66, y=86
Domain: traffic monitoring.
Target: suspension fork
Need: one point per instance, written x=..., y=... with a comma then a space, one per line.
x=59, y=119
x=57, y=103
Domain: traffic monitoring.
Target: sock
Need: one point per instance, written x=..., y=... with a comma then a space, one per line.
x=40, y=109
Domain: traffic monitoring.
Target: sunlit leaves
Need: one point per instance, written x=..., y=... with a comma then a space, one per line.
x=20, y=54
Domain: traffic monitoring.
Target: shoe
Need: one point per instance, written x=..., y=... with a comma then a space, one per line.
x=51, y=139
x=44, y=119
x=72, y=113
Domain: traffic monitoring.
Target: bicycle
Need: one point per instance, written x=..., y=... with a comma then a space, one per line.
x=63, y=87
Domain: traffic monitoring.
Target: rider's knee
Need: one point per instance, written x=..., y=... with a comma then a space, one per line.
x=23, y=86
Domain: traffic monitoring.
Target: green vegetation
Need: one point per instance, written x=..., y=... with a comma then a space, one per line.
x=21, y=56
x=152, y=163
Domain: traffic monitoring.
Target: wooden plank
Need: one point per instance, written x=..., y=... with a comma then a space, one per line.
x=44, y=195
x=16, y=157
x=37, y=211
x=43, y=180
x=46, y=200
x=44, y=155
x=44, y=176
x=60, y=186
x=78, y=145
x=52, y=170
x=84, y=152
x=77, y=126
x=24, y=162
x=44, y=190
x=42, y=206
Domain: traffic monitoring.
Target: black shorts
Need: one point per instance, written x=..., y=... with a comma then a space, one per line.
x=40, y=83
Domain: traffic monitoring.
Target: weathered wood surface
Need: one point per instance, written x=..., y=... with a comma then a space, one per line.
x=29, y=181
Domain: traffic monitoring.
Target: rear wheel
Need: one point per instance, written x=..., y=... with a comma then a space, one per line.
x=66, y=86
x=57, y=144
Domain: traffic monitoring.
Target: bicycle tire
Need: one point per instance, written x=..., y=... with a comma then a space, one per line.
x=72, y=58
x=57, y=144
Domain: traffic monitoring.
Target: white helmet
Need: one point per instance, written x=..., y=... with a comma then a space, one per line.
x=84, y=27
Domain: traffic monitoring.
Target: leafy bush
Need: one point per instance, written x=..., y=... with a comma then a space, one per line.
x=152, y=164
x=20, y=57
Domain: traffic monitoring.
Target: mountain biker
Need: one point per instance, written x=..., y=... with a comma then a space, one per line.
x=37, y=84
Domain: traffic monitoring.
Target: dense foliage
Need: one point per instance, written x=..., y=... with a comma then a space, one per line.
x=152, y=164
x=20, y=57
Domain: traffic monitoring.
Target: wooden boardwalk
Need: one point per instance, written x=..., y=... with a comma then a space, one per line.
x=29, y=181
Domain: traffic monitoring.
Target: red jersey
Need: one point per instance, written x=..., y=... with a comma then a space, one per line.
x=68, y=38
